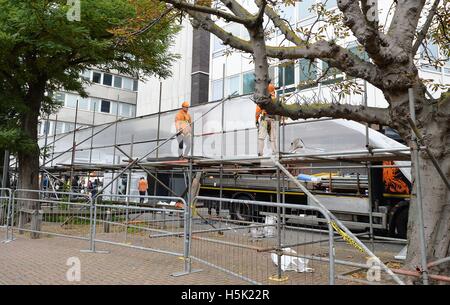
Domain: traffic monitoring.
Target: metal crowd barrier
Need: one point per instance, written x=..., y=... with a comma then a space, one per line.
x=5, y=210
x=256, y=242
x=153, y=225
x=63, y=214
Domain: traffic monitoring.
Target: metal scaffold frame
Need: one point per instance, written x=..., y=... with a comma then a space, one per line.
x=361, y=158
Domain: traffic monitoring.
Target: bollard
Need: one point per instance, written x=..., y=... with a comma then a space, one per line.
x=107, y=221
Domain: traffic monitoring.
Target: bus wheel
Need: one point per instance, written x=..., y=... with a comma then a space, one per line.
x=401, y=223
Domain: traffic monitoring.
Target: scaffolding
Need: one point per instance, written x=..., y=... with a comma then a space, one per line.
x=348, y=145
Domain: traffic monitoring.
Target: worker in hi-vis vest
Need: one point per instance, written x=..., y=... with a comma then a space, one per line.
x=267, y=125
x=183, y=126
x=142, y=188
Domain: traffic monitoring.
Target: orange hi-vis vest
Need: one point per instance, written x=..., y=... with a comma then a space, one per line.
x=182, y=119
x=142, y=185
x=259, y=111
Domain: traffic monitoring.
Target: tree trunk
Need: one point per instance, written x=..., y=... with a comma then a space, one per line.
x=29, y=164
x=433, y=121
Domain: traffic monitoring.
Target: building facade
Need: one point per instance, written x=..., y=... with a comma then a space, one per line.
x=231, y=72
x=110, y=96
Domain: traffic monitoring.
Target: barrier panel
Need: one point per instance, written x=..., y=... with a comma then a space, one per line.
x=255, y=241
x=61, y=214
x=157, y=224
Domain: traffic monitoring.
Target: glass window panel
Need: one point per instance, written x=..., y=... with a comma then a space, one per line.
x=308, y=70
x=96, y=77
x=288, y=12
x=107, y=79
x=124, y=110
x=83, y=103
x=289, y=75
x=304, y=9
x=117, y=81
x=330, y=3
x=105, y=106
x=248, y=83
x=127, y=83
x=217, y=90
x=360, y=52
x=332, y=72
x=114, y=108
x=135, y=85
x=69, y=127
x=59, y=127
x=71, y=100
x=217, y=44
x=60, y=97
x=86, y=75
x=133, y=111
x=233, y=85
x=95, y=104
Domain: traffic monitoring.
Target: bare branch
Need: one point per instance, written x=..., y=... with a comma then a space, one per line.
x=404, y=23
x=237, y=9
x=379, y=47
x=372, y=115
x=282, y=25
x=423, y=32
x=180, y=4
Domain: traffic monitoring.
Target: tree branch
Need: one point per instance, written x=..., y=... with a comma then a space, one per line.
x=423, y=32
x=379, y=47
x=404, y=23
x=282, y=25
x=182, y=5
x=371, y=115
x=335, y=55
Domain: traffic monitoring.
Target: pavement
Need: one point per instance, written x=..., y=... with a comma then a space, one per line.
x=49, y=260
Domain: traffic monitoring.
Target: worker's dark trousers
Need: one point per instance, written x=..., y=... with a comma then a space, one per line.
x=141, y=199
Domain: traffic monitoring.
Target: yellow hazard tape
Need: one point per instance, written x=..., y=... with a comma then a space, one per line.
x=346, y=237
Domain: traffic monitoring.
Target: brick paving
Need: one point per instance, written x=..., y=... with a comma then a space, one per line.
x=43, y=261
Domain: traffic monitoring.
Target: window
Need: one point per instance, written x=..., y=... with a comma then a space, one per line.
x=360, y=52
x=83, y=103
x=330, y=3
x=233, y=85
x=308, y=70
x=248, y=83
x=95, y=102
x=125, y=110
x=60, y=98
x=304, y=9
x=217, y=44
x=59, y=127
x=114, y=108
x=96, y=77
x=86, y=75
x=117, y=81
x=135, y=85
x=332, y=72
x=107, y=79
x=69, y=127
x=288, y=12
x=217, y=90
x=127, y=83
x=105, y=106
x=71, y=101
x=288, y=72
